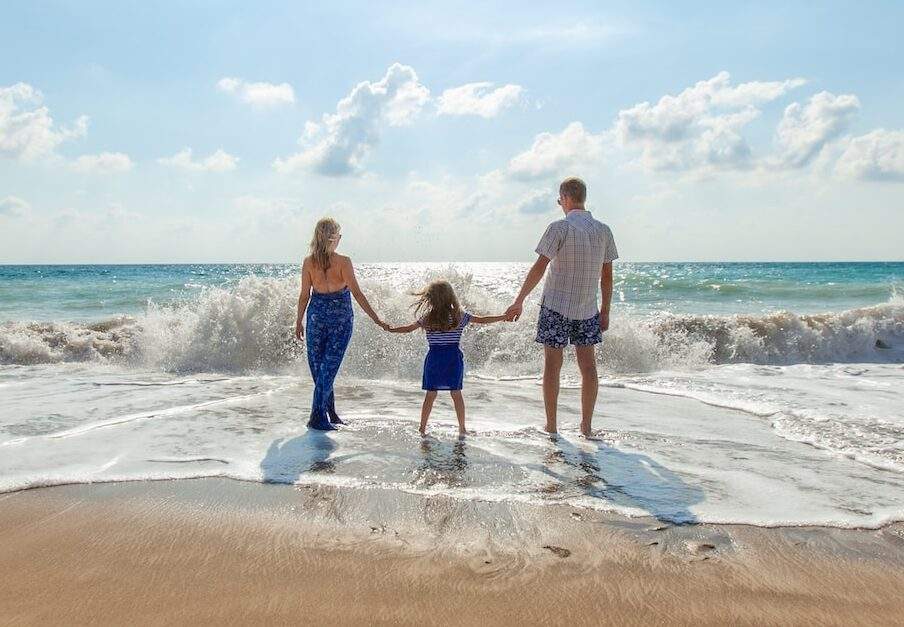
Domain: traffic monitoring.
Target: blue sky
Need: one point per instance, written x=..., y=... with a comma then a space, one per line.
x=214, y=131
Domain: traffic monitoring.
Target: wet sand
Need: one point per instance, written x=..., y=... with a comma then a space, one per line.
x=216, y=551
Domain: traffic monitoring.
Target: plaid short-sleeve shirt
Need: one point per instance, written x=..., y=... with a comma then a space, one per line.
x=578, y=246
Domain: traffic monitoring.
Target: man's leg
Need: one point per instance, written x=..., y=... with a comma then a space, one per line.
x=552, y=368
x=590, y=384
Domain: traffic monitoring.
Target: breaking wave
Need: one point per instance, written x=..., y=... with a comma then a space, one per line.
x=249, y=325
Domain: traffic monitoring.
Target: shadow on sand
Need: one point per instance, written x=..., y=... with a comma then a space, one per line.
x=286, y=460
x=626, y=480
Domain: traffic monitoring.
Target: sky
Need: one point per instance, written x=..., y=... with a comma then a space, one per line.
x=136, y=132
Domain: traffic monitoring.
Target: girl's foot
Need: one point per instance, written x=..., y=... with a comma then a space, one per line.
x=336, y=420
x=423, y=431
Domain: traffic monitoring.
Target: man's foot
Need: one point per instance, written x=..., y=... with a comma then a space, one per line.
x=321, y=424
x=586, y=432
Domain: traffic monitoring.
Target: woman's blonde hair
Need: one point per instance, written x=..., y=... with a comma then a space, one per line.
x=324, y=234
x=440, y=306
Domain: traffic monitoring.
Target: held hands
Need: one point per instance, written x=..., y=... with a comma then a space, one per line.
x=514, y=312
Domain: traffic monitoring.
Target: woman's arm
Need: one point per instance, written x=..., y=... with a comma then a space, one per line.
x=304, y=296
x=488, y=319
x=408, y=328
x=348, y=274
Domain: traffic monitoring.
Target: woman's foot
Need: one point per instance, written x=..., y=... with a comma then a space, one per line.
x=334, y=416
x=320, y=423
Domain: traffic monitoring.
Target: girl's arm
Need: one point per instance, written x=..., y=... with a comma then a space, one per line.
x=414, y=326
x=304, y=296
x=348, y=273
x=487, y=319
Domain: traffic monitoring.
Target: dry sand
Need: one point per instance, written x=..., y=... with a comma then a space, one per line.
x=217, y=551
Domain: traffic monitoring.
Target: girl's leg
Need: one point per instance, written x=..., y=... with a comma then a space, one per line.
x=459, y=403
x=426, y=408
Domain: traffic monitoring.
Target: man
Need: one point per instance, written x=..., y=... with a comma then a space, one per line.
x=581, y=250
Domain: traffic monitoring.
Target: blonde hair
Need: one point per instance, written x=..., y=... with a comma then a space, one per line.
x=574, y=188
x=440, y=306
x=324, y=234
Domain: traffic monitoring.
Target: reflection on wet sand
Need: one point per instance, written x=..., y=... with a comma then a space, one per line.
x=443, y=463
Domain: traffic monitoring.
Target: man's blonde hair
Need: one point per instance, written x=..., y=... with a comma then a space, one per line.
x=574, y=188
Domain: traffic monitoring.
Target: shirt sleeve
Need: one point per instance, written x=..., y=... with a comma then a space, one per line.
x=551, y=242
x=611, y=251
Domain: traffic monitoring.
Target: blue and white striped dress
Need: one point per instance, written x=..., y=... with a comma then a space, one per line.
x=444, y=366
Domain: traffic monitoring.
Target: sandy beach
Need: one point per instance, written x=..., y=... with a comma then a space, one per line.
x=219, y=551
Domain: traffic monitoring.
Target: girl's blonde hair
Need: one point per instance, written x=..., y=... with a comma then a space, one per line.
x=440, y=306
x=324, y=234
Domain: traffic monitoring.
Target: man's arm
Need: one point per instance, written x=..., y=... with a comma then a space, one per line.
x=606, y=294
x=530, y=282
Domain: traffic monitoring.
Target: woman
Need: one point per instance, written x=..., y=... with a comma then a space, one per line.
x=327, y=282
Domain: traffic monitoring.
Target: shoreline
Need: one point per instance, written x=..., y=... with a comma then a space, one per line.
x=219, y=550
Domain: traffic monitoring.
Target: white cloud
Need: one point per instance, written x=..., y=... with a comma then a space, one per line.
x=103, y=163
x=479, y=99
x=805, y=129
x=14, y=207
x=536, y=202
x=700, y=127
x=347, y=136
x=220, y=161
x=27, y=131
x=553, y=153
x=877, y=156
x=259, y=94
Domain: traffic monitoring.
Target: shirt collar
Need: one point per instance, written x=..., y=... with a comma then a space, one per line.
x=578, y=214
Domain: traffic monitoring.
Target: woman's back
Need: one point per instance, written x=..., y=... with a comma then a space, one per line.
x=333, y=279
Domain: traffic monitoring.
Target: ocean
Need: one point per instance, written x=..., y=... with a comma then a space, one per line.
x=759, y=393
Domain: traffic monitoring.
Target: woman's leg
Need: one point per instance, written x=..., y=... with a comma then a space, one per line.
x=317, y=342
x=340, y=333
x=459, y=403
x=426, y=408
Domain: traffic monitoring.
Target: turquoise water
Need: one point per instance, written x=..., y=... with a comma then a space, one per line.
x=97, y=292
x=765, y=394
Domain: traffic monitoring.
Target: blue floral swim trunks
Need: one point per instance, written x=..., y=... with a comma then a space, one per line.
x=557, y=331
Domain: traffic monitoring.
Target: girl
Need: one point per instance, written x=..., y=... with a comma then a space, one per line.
x=328, y=282
x=443, y=321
